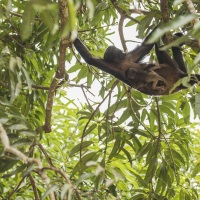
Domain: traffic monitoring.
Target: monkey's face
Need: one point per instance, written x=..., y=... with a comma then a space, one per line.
x=159, y=89
x=158, y=81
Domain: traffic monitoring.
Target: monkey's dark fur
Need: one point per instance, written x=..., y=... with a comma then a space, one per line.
x=149, y=78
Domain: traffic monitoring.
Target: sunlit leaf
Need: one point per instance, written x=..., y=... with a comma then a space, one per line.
x=197, y=104
x=76, y=148
x=172, y=24
x=50, y=190
x=28, y=20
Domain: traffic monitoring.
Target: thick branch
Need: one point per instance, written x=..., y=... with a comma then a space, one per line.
x=164, y=10
x=60, y=73
x=192, y=10
x=166, y=17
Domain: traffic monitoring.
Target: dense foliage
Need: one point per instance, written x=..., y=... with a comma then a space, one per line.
x=77, y=132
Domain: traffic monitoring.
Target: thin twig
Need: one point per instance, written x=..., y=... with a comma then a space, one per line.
x=123, y=15
x=121, y=33
x=86, y=97
x=96, y=28
x=11, y=37
x=157, y=148
x=92, y=115
x=107, y=127
x=136, y=117
x=16, y=188
x=45, y=154
x=34, y=187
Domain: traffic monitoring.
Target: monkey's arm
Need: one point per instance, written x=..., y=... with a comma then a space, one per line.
x=110, y=68
x=164, y=58
x=178, y=57
x=140, y=52
x=178, y=65
x=86, y=55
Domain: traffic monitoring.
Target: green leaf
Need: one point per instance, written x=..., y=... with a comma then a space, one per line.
x=4, y=101
x=197, y=59
x=178, y=156
x=112, y=190
x=84, y=177
x=21, y=143
x=98, y=181
x=53, y=188
x=144, y=149
x=66, y=188
x=18, y=126
x=14, y=172
x=6, y=164
x=115, y=148
x=151, y=153
x=29, y=133
x=186, y=112
x=172, y=24
x=118, y=172
x=27, y=20
x=76, y=148
x=125, y=115
x=72, y=20
x=150, y=169
x=167, y=110
x=197, y=104
x=182, y=194
x=89, y=79
x=196, y=170
x=28, y=170
x=138, y=196
x=90, y=129
x=82, y=74
x=81, y=165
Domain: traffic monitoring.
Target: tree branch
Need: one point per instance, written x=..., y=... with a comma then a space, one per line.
x=157, y=148
x=34, y=187
x=167, y=38
x=121, y=33
x=63, y=174
x=192, y=10
x=8, y=148
x=164, y=10
x=123, y=15
x=60, y=73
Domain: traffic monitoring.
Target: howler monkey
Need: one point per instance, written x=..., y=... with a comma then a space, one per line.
x=149, y=78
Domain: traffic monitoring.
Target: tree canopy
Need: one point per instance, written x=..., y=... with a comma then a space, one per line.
x=71, y=131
